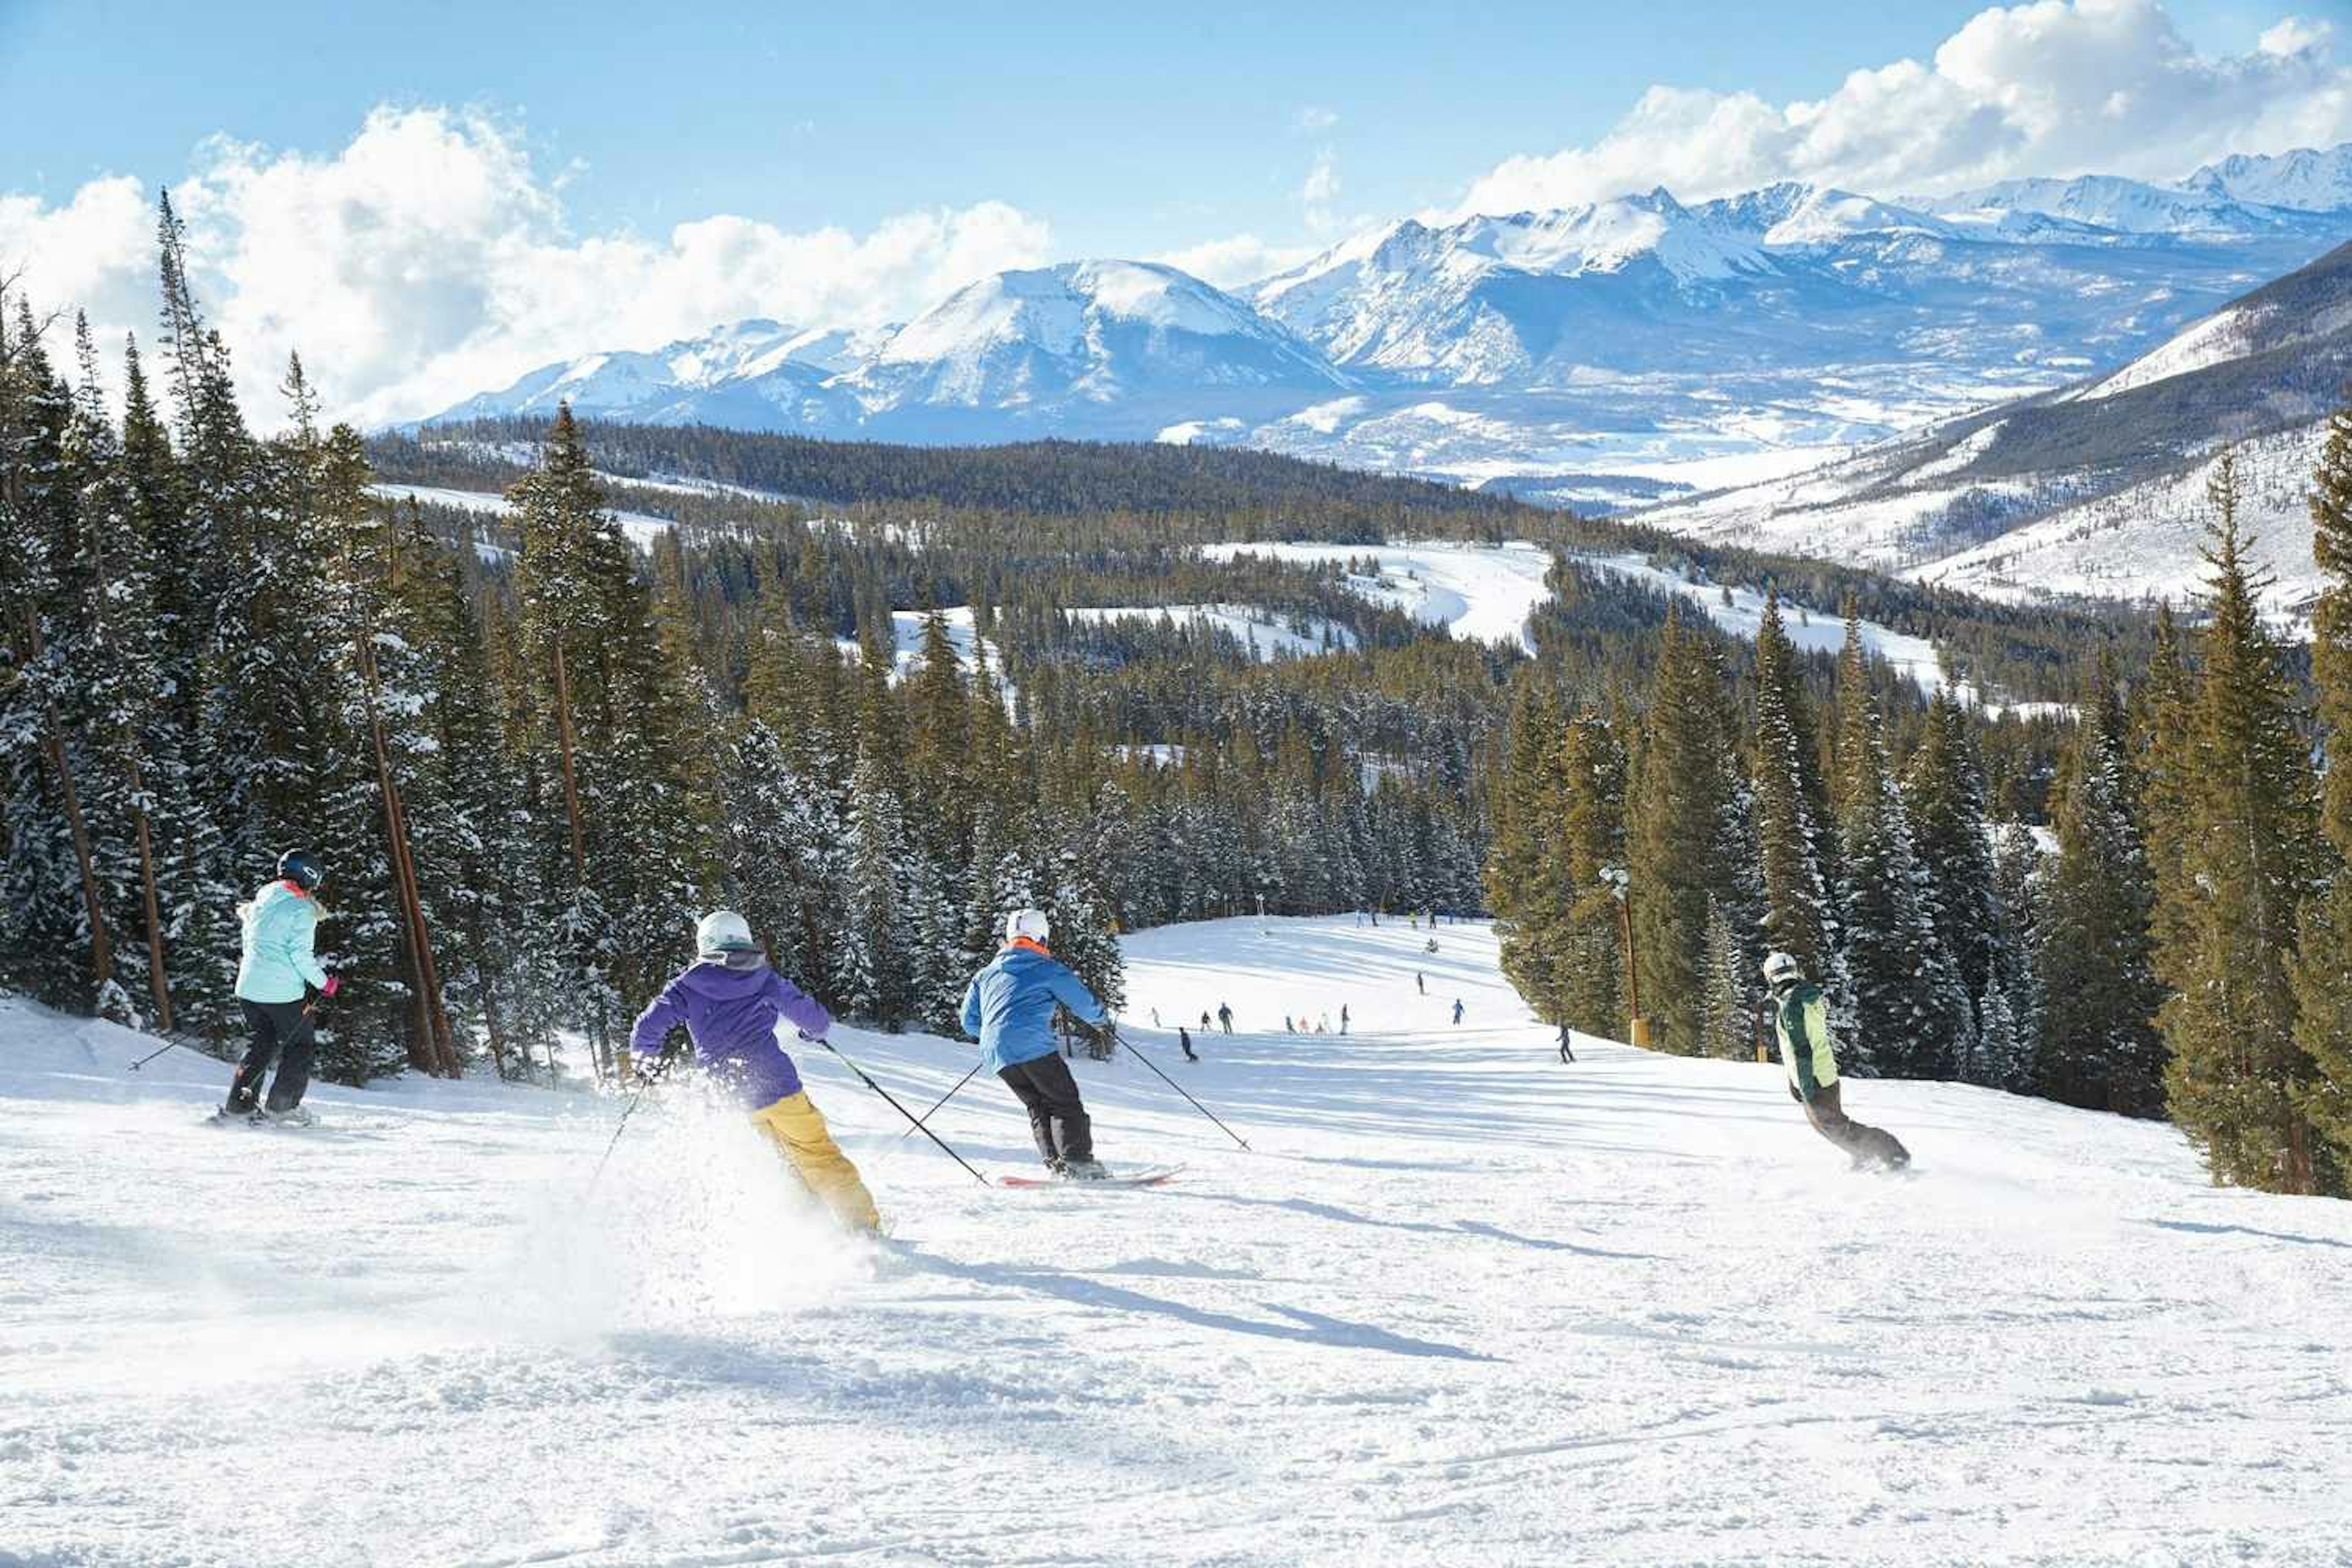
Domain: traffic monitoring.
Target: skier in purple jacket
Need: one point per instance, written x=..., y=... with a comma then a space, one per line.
x=733, y=1006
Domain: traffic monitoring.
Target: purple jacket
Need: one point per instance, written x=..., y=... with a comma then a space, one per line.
x=734, y=1016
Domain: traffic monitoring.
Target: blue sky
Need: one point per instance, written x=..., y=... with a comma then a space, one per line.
x=1135, y=129
x=430, y=199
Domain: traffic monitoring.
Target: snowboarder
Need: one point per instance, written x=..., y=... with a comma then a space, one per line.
x=732, y=1006
x=1566, y=1053
x=1343, y=1017
x=1225, y=1017
x=275, y=977
x=1184, y=1038
x=1800, y=1021
x=1457, y=1012
x=1009, y=1006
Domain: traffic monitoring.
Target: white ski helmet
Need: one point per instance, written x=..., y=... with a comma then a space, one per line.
x=1031, y=923
x=723, y=931
x=1782, y=967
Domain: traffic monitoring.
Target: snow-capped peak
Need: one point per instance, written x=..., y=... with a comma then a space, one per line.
x=2305, y=180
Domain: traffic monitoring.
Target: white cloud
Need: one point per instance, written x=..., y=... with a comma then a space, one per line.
x=429, y=260
x=1321, y=189
x=2060, y=87
x=1315, y=119
x=1242, y=258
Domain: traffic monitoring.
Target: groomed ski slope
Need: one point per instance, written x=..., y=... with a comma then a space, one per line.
x=1460, y=1304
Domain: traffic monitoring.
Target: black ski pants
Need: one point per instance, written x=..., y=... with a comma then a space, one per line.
x=1057, y=1117
x=283, y=1031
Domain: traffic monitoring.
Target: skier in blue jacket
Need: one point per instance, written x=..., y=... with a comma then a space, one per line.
x=1009, y=1006
x=276, y=974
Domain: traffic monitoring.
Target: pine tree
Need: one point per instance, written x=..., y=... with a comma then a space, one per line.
x=1590, y=984
x=2097, y=1045
x=1689, y=837
x=2248, y=832
x=2322, y=972
x=1944, y=796
x=1792, y=813
x=1910, y=1012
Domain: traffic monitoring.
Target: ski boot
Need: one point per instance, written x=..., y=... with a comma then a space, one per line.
x=291, y=1116
x=1084, y=1171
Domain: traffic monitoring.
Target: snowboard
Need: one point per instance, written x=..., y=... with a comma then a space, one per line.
x=1149, y=1176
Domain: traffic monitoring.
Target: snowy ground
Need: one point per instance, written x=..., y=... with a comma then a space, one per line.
x=1482, y=593
x=1460, y=1304
x=642, y=528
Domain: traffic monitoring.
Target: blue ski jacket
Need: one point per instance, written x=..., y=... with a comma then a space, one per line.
x=279, y=925
x=1010, y=1004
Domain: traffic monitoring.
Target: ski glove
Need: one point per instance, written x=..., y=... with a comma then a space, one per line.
x=334, y=983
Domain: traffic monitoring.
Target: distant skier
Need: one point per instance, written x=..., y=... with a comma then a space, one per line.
x=1566, y=1053
x=1343, y=1017
x=733, y=1006
x=1009, y=1006
x=1155, y=1018
x=1800, y=1021
x=1286, y=1025
x=1205, y=1025
x=1184, y=1039
x=1457, y=1012
x=275, y=973
x=1225, y=1017
x=1421, y=983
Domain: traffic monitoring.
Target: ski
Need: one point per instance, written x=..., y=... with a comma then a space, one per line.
x=1150, y=1176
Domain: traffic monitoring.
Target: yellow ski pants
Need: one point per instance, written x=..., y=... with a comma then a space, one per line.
x=799, y=1133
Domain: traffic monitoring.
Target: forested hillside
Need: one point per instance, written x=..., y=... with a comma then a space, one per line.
x=874, y=697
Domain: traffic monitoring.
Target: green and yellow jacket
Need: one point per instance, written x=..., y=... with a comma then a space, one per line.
x=1801, y=1020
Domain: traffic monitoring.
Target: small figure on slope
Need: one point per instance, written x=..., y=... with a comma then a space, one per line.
x=1567, y=1051
x=1801, y=1020
x=1457, y=1011
x=1225, y=1017
x=1009, y=1006
x=1343, y=1017
x=732, y=1006
x=275, y=977
x=1184, y=1038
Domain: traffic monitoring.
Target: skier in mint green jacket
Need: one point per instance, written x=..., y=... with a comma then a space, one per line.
x=1801, y=1020
x=275, y=978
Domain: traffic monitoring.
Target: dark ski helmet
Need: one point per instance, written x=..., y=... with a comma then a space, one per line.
x=296, y=865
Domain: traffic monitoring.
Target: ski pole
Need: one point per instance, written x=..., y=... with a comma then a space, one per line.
x=901, y=1109
x=942, y=1099
x=626, y=1111
x=151, y=1056
x=1179, y=1087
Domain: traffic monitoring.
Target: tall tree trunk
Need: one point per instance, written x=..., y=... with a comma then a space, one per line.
x=436, y=1049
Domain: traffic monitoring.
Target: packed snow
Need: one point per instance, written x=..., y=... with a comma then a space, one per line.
x=1269, y=635
x=642, y=528
x=1458, y=1303
x=1482, y=593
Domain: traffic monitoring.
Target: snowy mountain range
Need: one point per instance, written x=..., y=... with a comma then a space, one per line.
x=1633, y=350
x=2096, y=489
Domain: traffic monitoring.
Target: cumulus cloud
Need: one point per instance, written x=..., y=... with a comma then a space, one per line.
x=430, y=258
x=1232, y=262
x=2060, y=87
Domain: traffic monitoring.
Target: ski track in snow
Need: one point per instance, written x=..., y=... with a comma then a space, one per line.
x=1462, y=1304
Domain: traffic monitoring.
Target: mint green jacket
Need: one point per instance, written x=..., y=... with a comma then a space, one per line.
x=1801, y=1020
x=279, y=924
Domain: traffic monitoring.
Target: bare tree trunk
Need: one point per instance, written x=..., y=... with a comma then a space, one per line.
x=436, y=1048
x=101, y=952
